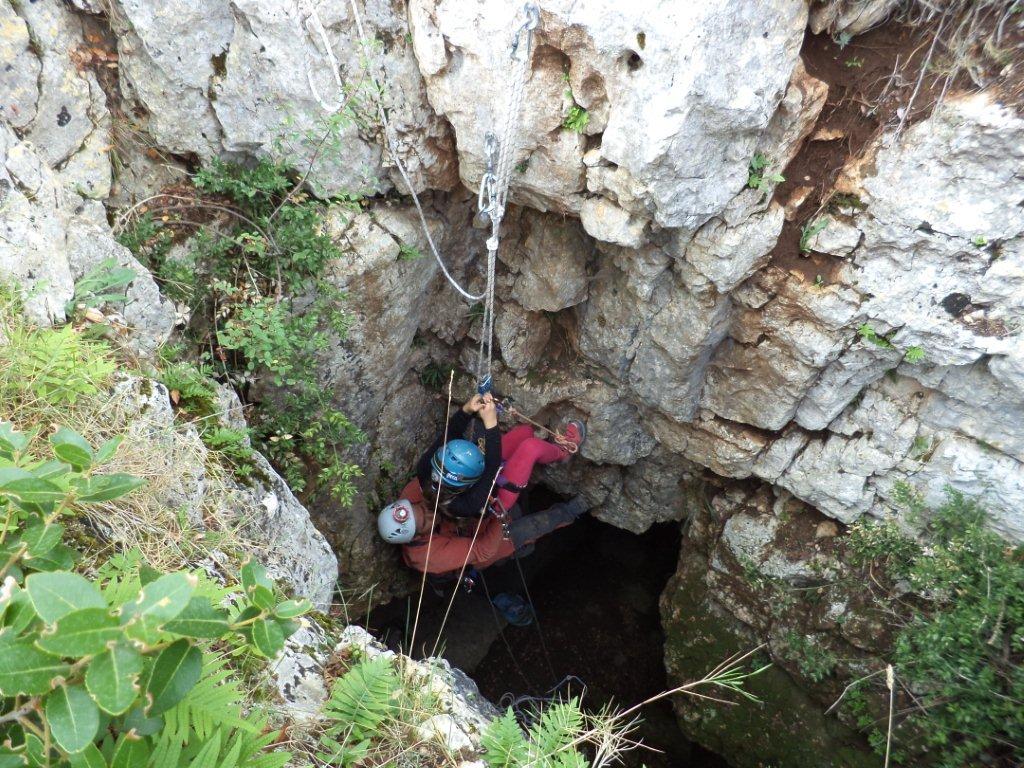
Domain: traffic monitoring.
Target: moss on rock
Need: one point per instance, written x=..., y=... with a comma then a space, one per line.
x=787, y=728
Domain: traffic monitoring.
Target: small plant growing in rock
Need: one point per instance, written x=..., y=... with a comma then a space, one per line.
x=809, y=231
x=105, y=283
x=979, y=241
x=759, y=173
x=815, y=662
x=854, y=62
x=869, y=334
x=914, y=354
x=577, y=119
x=408, y=252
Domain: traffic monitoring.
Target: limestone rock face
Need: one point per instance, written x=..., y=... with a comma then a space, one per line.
x=273, y=522
x=266, y=78
x=52, y=238
x=744, y=555
x=662, y=136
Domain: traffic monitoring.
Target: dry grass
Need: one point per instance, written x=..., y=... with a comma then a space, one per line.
x=189, y=509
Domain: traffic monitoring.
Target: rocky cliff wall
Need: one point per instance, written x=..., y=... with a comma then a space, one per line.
x=644, y=284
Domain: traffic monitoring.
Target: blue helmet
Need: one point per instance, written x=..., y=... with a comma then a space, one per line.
x=463, y=464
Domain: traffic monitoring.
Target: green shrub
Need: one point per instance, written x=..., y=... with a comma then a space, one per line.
x=117, y=669
x=961, y=645
x=262, y=308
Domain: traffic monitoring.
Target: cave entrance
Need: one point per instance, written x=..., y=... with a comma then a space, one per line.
x=596, y=589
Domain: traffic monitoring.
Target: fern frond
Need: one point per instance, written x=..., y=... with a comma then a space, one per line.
x=363, y=699
x=505, y=743
x=254, y=752
x=215, y=702
x=558, y=727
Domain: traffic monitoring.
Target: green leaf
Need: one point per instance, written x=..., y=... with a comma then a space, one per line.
x=288, y=627
x=33, y=493
x=81, y=633
x=7, y=474
x=60, y=558
x=267, y=637
x=254, y=575
x=207, y=757
x=41, y=538
x=175, y=672
x=137, y=721
x=24, y=669
x=111, y=678
x=51, y=469
x=108, y=487
x=200, y=619
x=262, y=597
x=57, y=594
x=11, y=441
x=20, y=613
x=71, y=447
x=90, y=757
x=160, y=601
x=130, y=753
x=106, y=451
x=10, y=759
x=291, y=609
x=73, y=717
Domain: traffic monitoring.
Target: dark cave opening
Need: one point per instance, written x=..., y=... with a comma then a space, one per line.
x=595, y=589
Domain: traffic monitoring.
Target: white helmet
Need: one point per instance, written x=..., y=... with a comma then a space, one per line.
x=397, y=522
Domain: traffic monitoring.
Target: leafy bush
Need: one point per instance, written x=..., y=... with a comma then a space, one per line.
x=961, y=646
x=116, y=670
x=261, y=308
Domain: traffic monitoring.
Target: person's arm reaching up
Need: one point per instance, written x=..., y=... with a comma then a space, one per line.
x=472, y=501
x=457, y=424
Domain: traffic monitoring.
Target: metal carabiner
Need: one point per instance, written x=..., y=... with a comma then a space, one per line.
x=532, y=12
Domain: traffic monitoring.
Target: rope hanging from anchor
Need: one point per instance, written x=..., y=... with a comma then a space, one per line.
x=492, y=197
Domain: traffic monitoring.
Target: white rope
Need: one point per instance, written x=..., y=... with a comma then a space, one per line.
x=494, y=186
x=392, y=144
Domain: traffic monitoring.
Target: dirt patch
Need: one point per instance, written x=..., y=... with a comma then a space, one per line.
x=869, y=80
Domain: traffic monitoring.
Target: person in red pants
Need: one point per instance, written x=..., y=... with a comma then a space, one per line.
x=460, y=537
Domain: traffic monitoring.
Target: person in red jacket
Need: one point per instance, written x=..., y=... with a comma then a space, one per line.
x=466, y=480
